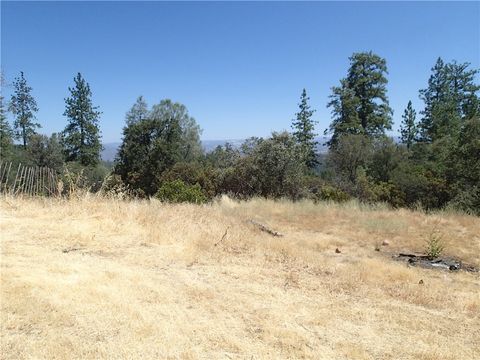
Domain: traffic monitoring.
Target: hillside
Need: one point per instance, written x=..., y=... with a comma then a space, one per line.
x=95, y=278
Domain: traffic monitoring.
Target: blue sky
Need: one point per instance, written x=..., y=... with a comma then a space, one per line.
x=238, y=67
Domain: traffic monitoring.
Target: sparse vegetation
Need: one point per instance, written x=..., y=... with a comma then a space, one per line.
x=434, y=244
x=97, y=277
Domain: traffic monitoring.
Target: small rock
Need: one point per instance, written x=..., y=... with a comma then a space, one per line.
x=385, y=243
x=337, y=251
x=421, y=282
x=377, y=248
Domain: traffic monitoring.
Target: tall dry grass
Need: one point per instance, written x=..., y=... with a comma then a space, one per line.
x=102, y=278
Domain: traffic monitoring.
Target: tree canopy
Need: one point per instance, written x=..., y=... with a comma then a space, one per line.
x=304, y=130
x=81, y=137
x=408, y=127
x=23, y=106
x=360, y=104
x=152, y=145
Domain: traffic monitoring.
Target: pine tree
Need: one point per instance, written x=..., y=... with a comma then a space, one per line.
x=5, y=132
x=344, y=106
x=81, y=137
x=408, y=127
x=360, y=104
x=138, y=112
x=450, y=99
x=24, y=107
x=303, y=127
x=463, y=89
x=434, y=95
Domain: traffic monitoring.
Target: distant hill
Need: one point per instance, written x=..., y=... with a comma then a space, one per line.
x=110, y=149
x=210, y=145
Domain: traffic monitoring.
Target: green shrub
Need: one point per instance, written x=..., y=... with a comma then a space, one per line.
x=331, y=193
x=434, y=246
x=389, y=193
x=194, y=173
x=467, y=200
x=177, y=192
x=271, y=168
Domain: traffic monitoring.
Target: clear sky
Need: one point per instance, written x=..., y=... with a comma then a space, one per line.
x=238, y=67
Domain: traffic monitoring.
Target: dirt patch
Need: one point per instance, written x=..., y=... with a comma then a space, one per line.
x=437, y=263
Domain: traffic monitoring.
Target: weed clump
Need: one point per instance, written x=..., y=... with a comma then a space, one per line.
x=434, y=244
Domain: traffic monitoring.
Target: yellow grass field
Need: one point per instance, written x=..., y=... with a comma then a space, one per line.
x=97, y=278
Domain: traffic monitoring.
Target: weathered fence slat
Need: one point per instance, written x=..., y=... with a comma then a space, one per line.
x=28, y=180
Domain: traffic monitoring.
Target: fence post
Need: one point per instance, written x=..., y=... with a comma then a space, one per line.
x=15, y=182
x=30, y=181
x=21, y=186
x=6, y=179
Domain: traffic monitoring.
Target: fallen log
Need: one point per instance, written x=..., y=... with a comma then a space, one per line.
x=265, y=228
x=441, y=263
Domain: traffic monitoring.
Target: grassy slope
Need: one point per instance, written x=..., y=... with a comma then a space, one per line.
x=96, y=278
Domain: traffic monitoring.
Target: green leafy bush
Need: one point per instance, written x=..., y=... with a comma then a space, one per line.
x=177, y=192
x=389, y=193
x=467, y=201
x=270, y=168
x=194, y=173
x=331, y=193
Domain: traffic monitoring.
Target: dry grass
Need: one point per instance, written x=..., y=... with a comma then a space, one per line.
x=95, y=278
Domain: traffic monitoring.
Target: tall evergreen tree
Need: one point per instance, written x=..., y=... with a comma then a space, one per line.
x=24, y=107
x=408, y=127
x=360, y=104
x=450, y=98
x=81, y=137
x=463, y=89
x=434, y=97
x=5, y=132
x=138, y=112
x=344, y=105
x=303, y=127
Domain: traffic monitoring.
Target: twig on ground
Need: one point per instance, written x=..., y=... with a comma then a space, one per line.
x=265, y=228
x=223, y=237
x=67, y=250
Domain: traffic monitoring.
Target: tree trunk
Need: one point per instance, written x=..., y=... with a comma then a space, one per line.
x=24, y=135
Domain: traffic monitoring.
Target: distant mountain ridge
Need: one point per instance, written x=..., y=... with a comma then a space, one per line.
x=110, y=149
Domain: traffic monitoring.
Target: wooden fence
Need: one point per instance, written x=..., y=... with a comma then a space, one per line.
x=28, y=180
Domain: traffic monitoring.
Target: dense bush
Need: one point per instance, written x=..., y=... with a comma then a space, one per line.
x=467, y=201
x=331, y=193
x=270, y=168
x=177, y=192
x=46, y=151
x=207, y=177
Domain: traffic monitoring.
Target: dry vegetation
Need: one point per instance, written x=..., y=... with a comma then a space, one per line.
x=96, y=278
